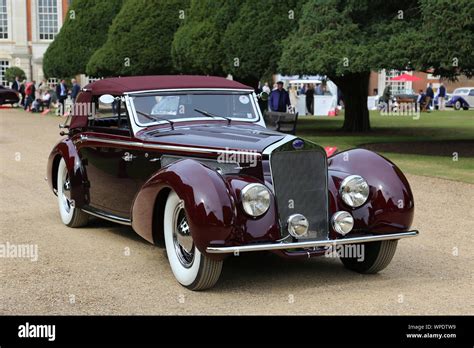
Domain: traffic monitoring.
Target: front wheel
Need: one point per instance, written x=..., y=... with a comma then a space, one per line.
x=458, y=105
x=190, y=267
x=70, y=215
x=377, y=256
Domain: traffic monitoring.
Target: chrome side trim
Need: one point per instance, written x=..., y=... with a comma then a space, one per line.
x=107, y=216
x=83, y=138
x=310, y=244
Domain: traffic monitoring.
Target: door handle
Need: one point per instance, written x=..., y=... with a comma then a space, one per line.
x=128, y=157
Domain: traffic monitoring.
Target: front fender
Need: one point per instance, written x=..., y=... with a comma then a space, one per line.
x=66, y=149
x=454, y=99
x=390, y=207
x=207, y=200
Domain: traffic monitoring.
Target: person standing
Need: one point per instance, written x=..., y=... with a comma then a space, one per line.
x=310, y=99
x=429, y=97
x=420, y=101
x=16, y=84
x=22, y=93
x=76, y=88
x=266, y=88
x=441, y=97
x=279, y=99
x=61, y=92
x=294, y=97
x=30, y=94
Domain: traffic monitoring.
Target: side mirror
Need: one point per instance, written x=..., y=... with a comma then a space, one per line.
x=263, y=96
x=107, y=99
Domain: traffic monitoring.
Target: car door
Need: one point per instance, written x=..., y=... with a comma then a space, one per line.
x=108, y=154
x=470, y=98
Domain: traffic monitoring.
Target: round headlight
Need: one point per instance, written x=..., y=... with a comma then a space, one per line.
x=342, y=222
x=255, y=199
x=354, y=191
x=298, y=225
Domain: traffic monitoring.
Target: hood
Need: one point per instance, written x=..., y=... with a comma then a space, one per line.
x=219, y=136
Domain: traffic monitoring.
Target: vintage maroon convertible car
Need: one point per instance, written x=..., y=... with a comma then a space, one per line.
x=187, y=160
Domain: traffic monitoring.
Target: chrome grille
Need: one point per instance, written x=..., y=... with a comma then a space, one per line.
x=300, y=184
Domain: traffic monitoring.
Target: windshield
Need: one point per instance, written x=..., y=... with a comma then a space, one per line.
x=187, y=105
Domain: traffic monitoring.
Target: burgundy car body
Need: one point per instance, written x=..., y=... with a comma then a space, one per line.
x=134, y=192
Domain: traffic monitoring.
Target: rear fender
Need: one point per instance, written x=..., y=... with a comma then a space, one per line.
x=66, y=149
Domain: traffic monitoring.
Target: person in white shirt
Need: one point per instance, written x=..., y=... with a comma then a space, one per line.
x=266, y=88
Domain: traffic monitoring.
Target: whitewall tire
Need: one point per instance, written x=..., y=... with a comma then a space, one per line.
x=190, y=267
x=70, y=215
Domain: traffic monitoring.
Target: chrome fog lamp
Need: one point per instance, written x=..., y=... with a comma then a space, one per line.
x=354, y=191
x=342, y=222
x=298, y=225
x=255, y=199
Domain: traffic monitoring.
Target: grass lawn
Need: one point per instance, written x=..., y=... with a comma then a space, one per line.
x=426, y=145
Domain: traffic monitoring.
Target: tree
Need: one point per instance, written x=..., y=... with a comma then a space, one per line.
x=253, y=41
x=197, y=45
x=139, y=40
x=447, y=40
x=84, y=31
x=14, y=71
x=346, y=39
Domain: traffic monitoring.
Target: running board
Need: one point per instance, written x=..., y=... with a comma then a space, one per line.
x=106, y=216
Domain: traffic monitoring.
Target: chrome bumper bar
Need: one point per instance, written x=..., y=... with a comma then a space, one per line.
x=310, y=244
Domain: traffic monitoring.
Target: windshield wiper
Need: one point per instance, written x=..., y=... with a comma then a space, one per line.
x=208, y=114
x=155, y=118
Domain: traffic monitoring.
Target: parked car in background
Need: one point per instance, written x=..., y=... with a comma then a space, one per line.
x=8, y=96
x=188, y=161
x=462, y=98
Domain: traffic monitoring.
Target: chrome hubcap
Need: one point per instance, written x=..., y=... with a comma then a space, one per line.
x=182, y=240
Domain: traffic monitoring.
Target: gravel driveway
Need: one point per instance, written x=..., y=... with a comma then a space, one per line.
x=108, y=269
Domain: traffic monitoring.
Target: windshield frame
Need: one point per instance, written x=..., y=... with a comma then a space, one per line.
x=248, y=92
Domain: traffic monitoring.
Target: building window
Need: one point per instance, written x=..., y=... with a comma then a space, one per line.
x=398, y=87
x=3, y=20
x=48, y=19
x=4, y=65
x=52, y=82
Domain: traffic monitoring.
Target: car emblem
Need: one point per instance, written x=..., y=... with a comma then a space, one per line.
x=298, y=144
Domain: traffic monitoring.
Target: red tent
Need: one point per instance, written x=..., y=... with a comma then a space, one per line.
x=405, y=78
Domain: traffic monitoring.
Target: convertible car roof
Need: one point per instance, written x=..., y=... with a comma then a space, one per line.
x=120, y=85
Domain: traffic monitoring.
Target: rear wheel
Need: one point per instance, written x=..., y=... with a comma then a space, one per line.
x=70, y=215
x=190, y=267
x=377, y=256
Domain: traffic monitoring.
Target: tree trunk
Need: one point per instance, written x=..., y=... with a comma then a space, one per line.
x=355, y=88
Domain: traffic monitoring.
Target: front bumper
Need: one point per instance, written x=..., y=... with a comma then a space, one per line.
x=310, y=244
